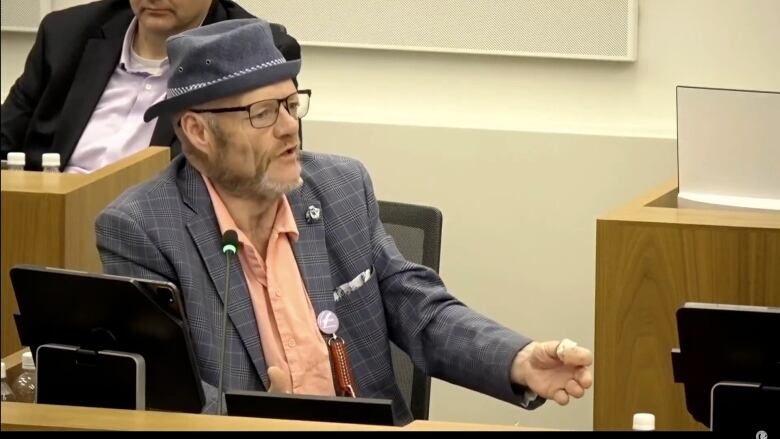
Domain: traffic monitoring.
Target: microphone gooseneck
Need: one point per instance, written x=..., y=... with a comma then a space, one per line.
x=229, y=247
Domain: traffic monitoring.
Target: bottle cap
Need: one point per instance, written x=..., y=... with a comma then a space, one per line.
x=50, y=159
x=15, y=159
x=2, y=370
x=644, y=421
x=27, y=361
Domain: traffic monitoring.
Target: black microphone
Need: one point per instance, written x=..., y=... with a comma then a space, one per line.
x=230, y=246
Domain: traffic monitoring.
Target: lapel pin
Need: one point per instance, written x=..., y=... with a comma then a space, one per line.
x=313, y=214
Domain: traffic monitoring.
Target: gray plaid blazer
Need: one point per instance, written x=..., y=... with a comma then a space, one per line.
x=167, y=229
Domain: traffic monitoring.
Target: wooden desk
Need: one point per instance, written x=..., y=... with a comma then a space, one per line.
x=49, y=220
x=24, y=416
x=651, y=257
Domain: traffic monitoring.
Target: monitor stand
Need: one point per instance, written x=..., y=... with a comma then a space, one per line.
x=68, y=375
x=749, y=408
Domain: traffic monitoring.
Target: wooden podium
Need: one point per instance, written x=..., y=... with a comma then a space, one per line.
x=651, y=257
x=49, y=219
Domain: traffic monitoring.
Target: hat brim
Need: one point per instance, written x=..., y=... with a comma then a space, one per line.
x=223, y=89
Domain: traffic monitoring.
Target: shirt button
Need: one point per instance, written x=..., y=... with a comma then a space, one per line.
x=291, y=343
x=148, y=86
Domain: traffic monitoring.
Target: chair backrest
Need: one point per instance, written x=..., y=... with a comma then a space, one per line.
x=416, y=231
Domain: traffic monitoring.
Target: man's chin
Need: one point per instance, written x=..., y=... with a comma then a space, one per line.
x=163, y=25
x=286, y=172
x=298, y=183
x=276, y=187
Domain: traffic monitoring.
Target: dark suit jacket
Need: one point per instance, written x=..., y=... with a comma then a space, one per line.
x=74, y=55
x=166, y=229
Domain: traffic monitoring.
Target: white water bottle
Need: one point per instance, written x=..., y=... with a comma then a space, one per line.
x=5, y=390
x=644, y=422
x=15, y=161
x=51, y=162
x=24, y=386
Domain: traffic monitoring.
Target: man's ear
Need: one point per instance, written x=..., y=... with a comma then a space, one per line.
x=195, y=127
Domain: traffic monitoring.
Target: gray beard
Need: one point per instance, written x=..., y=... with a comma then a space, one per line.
x=269, y=187
x=265, y=188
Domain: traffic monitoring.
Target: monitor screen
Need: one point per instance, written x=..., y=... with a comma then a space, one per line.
x=104, y=312
x=722, y=347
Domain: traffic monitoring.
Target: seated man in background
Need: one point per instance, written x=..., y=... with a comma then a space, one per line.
x=313, y=248
x=93, y=71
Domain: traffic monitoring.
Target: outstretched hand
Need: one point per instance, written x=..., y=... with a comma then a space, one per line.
x=554, y=370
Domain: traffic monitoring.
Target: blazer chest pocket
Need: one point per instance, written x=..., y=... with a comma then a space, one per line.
x=359, y=294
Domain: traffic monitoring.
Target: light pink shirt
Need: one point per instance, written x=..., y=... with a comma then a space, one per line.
x=116, y=128
x=285, y=316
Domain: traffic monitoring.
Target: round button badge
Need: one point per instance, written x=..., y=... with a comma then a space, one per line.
x=328, y=322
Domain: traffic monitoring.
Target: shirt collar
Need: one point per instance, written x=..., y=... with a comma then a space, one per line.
x=283, y=223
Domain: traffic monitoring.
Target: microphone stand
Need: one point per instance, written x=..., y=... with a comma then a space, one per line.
x=229, y=246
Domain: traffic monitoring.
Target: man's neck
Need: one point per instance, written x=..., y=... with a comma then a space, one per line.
x=149, y=45
x=254, y=216
x=152, y=45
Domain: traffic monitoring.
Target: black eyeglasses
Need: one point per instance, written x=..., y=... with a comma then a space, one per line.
x=264, y=113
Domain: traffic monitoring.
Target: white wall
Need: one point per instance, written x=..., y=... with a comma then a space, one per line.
x=725, y=43
x=522, y=154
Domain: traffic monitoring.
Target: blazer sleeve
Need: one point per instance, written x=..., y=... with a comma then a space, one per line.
x=127, y=250
x=444, y=338
x=24, y=95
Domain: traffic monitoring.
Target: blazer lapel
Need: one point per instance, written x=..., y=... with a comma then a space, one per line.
x=204, y=230
x=100, y=58
x=311, y=250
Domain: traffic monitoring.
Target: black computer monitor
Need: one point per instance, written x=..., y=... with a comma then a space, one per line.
x=729, y=364
x=340, y=409
x=97, y=312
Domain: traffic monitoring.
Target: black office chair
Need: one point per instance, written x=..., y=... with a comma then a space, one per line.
x=416, y=231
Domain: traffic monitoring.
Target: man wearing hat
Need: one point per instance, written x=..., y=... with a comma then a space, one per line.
x=315, y=262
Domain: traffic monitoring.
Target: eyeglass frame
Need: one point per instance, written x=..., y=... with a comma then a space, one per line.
x=280, y=102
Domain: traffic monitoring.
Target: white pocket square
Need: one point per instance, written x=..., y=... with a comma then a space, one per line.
x=354, y=284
